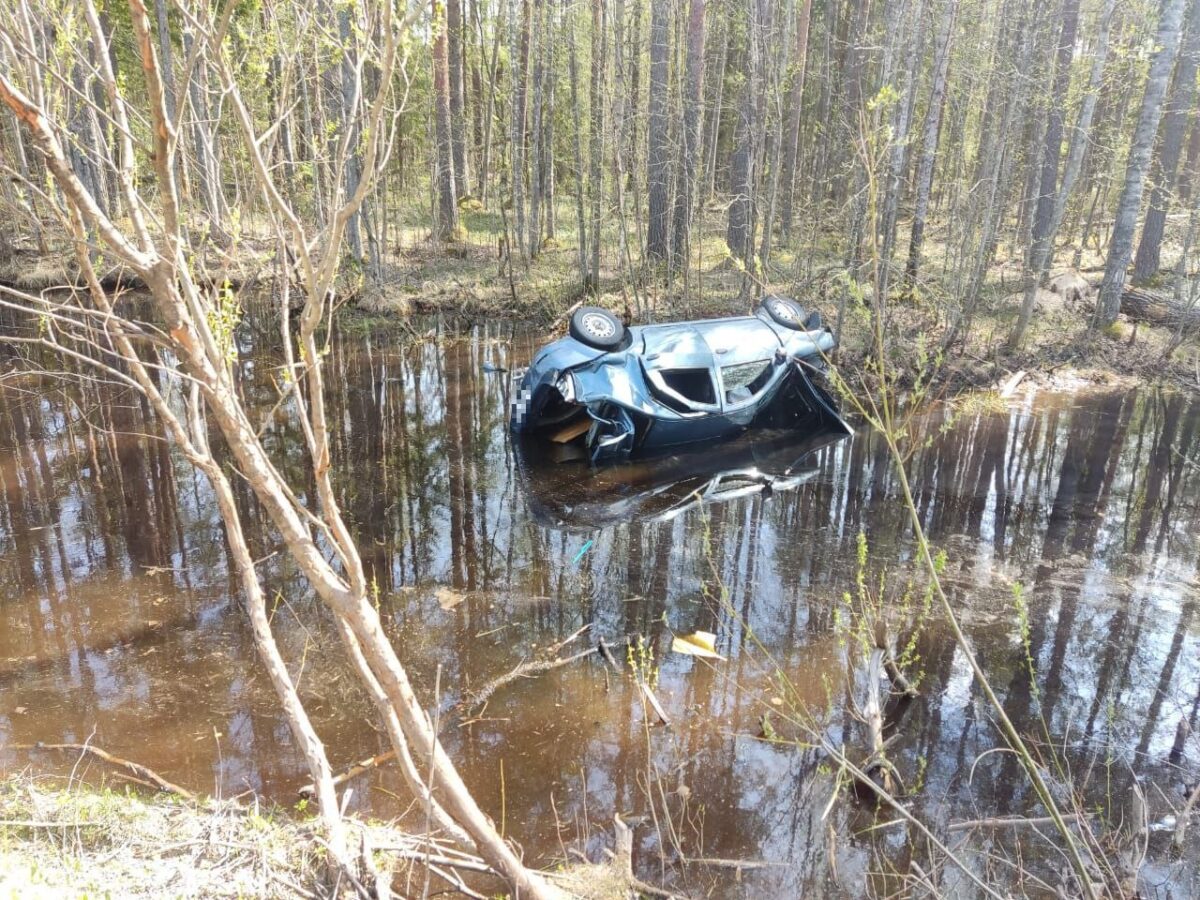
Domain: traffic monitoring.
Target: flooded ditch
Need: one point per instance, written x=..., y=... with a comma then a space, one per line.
x=119, y=620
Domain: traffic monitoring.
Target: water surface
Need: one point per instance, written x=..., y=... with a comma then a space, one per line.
x=119, y=621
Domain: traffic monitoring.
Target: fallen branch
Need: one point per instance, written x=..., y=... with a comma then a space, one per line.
x=36, y=824
x=897, y=677
x=732, y=863
x=653, y=700
x=607, y=653
x=524, y=670
x=353, y=771
x=1009, y=822
x=136, y=768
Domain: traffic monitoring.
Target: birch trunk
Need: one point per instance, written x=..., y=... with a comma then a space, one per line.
x=1120, y=246
x=1146, y=263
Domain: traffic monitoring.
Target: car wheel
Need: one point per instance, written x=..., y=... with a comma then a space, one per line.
x=597, y=328
x=786, y=312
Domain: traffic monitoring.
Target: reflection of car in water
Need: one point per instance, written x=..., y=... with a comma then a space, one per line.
x=570, y=494
x=614, y=392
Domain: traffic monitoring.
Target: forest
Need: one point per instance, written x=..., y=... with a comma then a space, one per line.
x=266, y=269
x=512, y=157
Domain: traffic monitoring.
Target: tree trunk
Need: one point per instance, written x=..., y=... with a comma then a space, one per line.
x=933, y=124
x=488, y=120
x=1041, y=250
x=745, y=142
x=164, y=49
x=458, y=118
x=1120, y=247
x=207, y=171
x=596, y=162
x=447, y=207
x=898, y=154
x=576, y=117
x=550, y=225
x=791, y=134
x=1170, y=148
x=689, y=133
x=1082, y=133
x=658, y=160
x=715, y=108
x=349, y=121
x=537, y=51
x=517, y=38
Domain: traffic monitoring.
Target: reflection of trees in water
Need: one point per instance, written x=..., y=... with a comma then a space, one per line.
x=1089, y=503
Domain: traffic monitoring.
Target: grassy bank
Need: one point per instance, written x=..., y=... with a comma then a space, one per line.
x=81, y=842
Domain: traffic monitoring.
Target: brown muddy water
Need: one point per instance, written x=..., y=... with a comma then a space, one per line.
x=119, y=621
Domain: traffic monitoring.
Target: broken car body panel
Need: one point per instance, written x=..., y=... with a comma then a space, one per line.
x=667, y=385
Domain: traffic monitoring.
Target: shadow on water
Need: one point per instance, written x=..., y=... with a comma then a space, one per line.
x=118, y=614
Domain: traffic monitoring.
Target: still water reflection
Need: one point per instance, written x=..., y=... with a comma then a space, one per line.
x=118, y=616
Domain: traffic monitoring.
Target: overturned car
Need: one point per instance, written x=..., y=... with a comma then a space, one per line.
x=612, y=392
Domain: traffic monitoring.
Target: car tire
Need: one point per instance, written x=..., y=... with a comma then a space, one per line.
x=597, y=328
x=785, y=311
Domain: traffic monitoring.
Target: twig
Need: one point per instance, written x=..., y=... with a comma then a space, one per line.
x=658, y=709
x=732, y=863
x=524, y=670
x=555, y=649
x=36, y=823
x=607, y=653
x=353, y=771
x=469, y=865
x=897, y=677
x=566, y=315
x=136, y=768
x=1009, y=822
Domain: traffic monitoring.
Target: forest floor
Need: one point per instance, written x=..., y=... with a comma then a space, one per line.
x=82, y=842
x=62, y=840
x=470, y=280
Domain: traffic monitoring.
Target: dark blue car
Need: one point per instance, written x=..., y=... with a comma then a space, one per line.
x=614, y=392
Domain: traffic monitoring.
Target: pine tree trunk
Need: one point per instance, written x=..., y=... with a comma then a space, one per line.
x=550, y=224
x=1120, y=247
x=738, y=235
x=458, y=119
x=791, y=134
x=1170, y=148
x=933, y=124
x=596, y=162
x=577, y=120
x=689, y=151
x=517, y=37
x=447, y=207
x=658, y=154
x=537, y=50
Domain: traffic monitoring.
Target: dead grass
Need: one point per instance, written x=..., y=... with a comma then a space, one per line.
x=75, y=843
